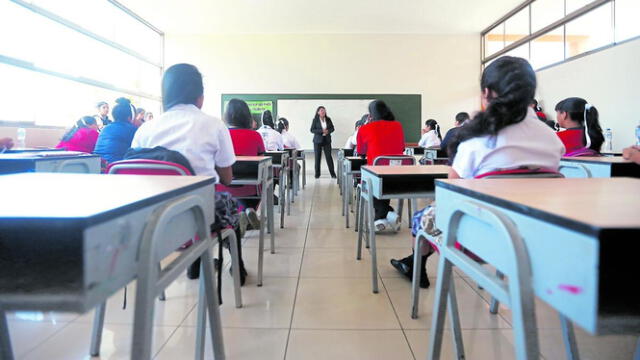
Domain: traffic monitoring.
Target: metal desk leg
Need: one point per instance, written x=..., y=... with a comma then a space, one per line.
x=372, y=240
x=357, y=217
x=271, y=229
x=410, y=206
x=282, y=189
x=6, y=351
x=399, y=210
x=201, y=318
x=163, y=295
x=264, y=204
x=360, y=220
x=415, y=282
x=96, y=332
x=349, y=196
x=213, y=306
x=495, y=304
x=235, y=260
x=304, y=171
x=569, y=339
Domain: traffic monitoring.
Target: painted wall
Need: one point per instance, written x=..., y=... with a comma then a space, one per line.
x=444, y=69
x=608, y=79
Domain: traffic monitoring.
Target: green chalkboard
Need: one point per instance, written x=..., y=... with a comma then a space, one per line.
x=407, y=108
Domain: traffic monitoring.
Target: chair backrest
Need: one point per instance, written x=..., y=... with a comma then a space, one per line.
x=521, y=173
x=582, y=152
x=395, y=160
x=147, y=167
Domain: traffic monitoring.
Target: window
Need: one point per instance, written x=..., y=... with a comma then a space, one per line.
x=553, y=31
x=66, y=71
x=627, y=19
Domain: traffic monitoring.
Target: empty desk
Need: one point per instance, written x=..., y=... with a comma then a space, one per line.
x=49, y=161
x=598, y=167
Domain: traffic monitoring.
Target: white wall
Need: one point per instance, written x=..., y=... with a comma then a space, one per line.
x=445, y=69
x=609, y=80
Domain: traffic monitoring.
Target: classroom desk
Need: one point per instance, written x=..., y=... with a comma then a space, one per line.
x=581, y=236
x=257, y=171
x=394, y=182
x=31, y=150
x=598, y=167
x=350, y=169
x=62, y=256
x=49, y=161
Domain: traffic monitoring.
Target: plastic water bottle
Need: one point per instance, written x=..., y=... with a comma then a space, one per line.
x=608, y=137
x=21, y=138
x=638, y=135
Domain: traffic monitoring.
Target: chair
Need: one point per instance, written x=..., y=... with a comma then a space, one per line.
x=582, y=152
x=300, y=157
x=280, y=172
x=342, y=154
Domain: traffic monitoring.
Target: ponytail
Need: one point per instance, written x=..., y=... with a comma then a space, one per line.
x=283, y=124
x=581, y=111
x=513, y=82
x=124, y=110
x=434, y=125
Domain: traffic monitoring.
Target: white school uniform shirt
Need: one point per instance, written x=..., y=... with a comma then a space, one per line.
x=203, y=139
x=429, y=139
x=352, y=141
x=289, y=141
x=271, y=138
x=528, y=143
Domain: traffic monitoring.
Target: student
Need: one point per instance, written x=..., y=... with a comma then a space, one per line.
x=115, y=138
x=81, y=137
x=507, y=135
x=271, y=138
x=381, y=136
x=352, y=141
x=461, y=119
x=139, y=119
x=573, y=114
x=202, y=139
x=102, y=118
x=431, y=136
x=289, y=141
x=541, y=115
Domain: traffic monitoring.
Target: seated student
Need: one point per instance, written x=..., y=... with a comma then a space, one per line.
x=271, y=138
x=102, y=118
x=140, y=117
x=201, y=138
x=541, y=115
x=289, y=141
x=461, y=119
x=246, y=142
x=507, y=135
x=115, y=138
x=574, y=114
x=381, y=136
x=431, y=136
x=352, y=141
x=81, y=137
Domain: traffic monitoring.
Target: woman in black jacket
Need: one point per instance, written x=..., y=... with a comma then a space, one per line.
x=322, y=127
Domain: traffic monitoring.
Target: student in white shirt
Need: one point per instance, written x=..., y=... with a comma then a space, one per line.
x=271, y=138
x=352, y=141
x=203, y=139
x=431, y=136
x=507, y=136
x=289, y=141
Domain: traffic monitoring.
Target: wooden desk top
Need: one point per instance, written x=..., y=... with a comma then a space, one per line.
x=58, y=198
x=585, y=205
x=598, y=159
x=253, y=158
x=389, y=170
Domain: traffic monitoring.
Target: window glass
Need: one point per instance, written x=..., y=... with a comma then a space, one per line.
x=627, y=19
x=590, y=31
x=521, y=51
x=545, y=12
x=517, y=26
x=573, y=5
x=494, y=40
x=548, y=48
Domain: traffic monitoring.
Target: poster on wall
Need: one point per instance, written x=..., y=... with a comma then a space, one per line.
x=257, y=108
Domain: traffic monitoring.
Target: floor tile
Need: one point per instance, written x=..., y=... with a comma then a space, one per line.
x=610, y=347
x=478, y=344
x=27, y=335
x=284, y=263
x=348, y=345
x=342, y=304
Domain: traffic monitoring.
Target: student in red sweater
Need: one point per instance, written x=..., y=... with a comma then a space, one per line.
x=574, y=114
x=382, y=135
x=246, y=142
x=81, y=137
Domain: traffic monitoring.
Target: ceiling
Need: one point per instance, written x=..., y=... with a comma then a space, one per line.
x=324, y=16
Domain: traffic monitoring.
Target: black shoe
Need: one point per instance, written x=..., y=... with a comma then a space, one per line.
x=243, y=273
x=317, y=176
x=333, y=176
x=405, y=267
x=193, y=271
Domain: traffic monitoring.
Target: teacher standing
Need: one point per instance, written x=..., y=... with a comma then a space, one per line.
x=322, y=127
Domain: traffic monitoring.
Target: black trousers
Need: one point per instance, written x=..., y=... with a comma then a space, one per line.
x=381, y=208
x=318, y=148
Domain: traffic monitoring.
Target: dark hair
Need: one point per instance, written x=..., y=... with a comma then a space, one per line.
x=100, y=103
x=83, y=122
x=536, y=107
x=578, y=111
x=434, y=125
x=238, y=114
x=379, y=110
x=283, y=124
x=123, y=110
x=511, y=83
x=267, y=119
x=181, y=84
x=317, y=117
x=462, y=117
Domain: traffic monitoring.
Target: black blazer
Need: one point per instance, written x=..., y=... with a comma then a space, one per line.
x=316, y=129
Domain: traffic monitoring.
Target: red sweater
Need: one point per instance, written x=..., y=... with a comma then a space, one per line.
x=573, y=139
x=380, y=138
x=83, y=140
x=246, y=142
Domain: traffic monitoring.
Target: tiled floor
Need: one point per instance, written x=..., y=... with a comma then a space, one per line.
x=316, y=303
